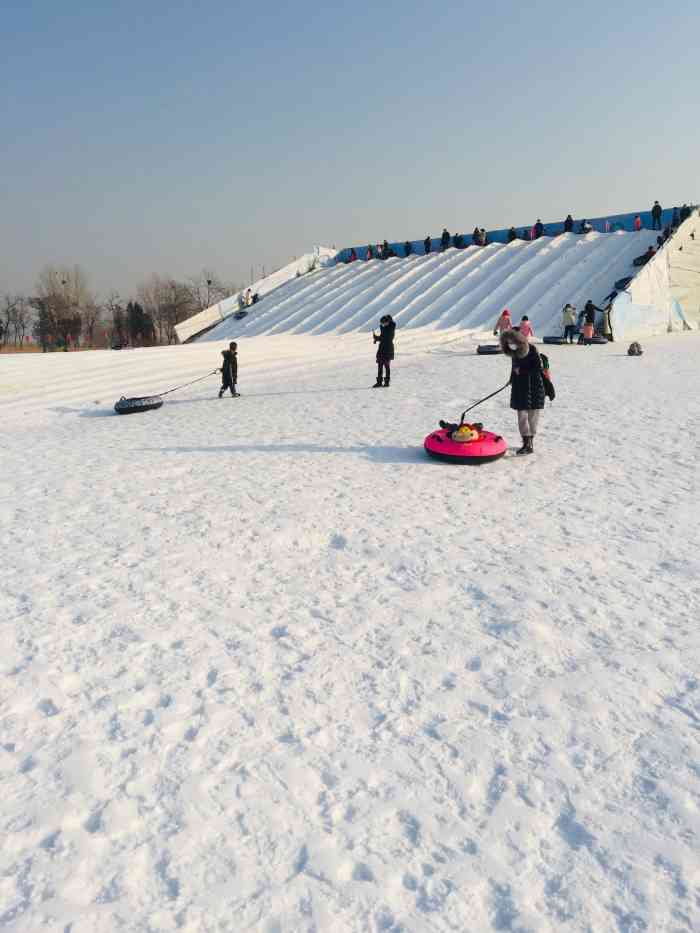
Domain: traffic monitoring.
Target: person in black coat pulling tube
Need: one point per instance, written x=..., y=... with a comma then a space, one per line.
x=385, y=351
x=229, y=370
x=527, y=385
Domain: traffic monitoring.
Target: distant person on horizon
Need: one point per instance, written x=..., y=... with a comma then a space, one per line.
x=675, y=219
x=585, y=227
x=568, y=224
x=512, y=234
x=484, y=237
x=476, y=237
x=229, y=370
x=427, y=245
x=503, y=323
x=568, y=320
x=459, y=241
x=385, y=351
x=538, y=229
x=685, y=212
x=369, y=252
x=656, y=212
x=353, y=255
x=637, y=223
x=407, y=248
x=445, y=240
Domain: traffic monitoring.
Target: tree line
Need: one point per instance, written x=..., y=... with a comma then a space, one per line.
x=63, y=312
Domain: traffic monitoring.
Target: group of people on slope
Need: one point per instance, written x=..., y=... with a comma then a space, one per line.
x=480, y=237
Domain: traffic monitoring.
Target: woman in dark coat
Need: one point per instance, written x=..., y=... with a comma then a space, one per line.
x=385, y=351
x=527, y=391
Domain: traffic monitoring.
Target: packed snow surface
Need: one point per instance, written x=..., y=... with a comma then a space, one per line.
x=265, y=666
x=458, y=288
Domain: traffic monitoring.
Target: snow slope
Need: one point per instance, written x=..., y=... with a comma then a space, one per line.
x=266, y=667
x=321, y=256
x=465, y=289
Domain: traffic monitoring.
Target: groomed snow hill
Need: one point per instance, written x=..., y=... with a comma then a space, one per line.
x=464, y=289
x=266, y=667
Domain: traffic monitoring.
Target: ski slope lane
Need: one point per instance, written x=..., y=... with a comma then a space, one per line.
x=456, y=289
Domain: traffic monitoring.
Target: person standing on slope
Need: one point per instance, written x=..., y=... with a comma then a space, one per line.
x=229, y=370
x=385, y=351
x=568, y=320
x=427, y=245
x=656, y=212
x=527, y=389
x=568, y=224
x=503, y=323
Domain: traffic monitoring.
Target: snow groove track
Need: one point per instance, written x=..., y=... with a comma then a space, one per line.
x=463, y=289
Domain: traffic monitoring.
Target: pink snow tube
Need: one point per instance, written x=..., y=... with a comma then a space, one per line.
x=486, y=447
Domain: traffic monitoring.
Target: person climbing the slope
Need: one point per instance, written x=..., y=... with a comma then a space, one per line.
x=656, y=213
x=527, y=388
x=503, y=323
x=385, y=351
x=568, y=320
x=229, y=370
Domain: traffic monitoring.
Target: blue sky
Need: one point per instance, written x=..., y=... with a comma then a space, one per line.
x=166, y=138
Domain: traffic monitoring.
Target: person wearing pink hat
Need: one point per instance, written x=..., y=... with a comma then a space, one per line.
x=503, y=323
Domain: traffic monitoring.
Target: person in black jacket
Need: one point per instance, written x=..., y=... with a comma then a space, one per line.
x=427, y=245
x=539, y=229
x=385, y=351
x=229, y=370
x=527, y=390
x=512, y=234
x=407, y=248
x=656, y=212
x=568, y=224
x=445, y=240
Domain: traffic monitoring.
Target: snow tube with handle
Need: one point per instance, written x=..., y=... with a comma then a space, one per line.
x=131, y=406
x=484, y=448
x=553, y=339
x=488, y=348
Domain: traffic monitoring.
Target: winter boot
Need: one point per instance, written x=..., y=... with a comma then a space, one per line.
x=221, y=393
x=378, y=383
x=386, y=382
x=526, y=448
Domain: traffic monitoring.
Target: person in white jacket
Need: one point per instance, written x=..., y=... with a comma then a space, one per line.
x=568, y=320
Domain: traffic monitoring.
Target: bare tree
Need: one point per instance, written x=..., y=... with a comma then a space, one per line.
x=64, y=294
x=207, y=289
x=91, y=314
x=9, y=305
x=168, y=302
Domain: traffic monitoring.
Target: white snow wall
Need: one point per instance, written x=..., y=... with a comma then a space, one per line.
x=651, y=304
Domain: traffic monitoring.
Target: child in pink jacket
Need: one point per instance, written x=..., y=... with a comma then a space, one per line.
x=525, y=328
x=503, y=323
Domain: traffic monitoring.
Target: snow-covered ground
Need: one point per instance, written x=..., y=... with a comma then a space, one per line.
x=267, y=667
x=458, y=288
